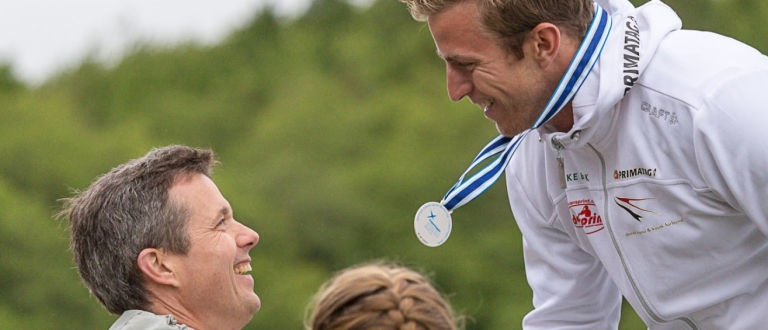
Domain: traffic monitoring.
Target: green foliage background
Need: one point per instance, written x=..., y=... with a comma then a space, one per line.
x=333, y=128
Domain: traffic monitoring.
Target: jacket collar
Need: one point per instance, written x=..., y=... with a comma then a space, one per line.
x=633, y=40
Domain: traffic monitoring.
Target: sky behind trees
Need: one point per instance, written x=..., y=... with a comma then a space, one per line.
x=39, y=37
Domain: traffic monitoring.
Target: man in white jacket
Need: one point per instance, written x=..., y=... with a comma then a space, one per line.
x=649, y=180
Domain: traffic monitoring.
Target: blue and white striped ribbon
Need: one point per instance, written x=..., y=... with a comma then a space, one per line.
x=585, y=58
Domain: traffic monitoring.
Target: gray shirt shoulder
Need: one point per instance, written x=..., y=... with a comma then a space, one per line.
x=143, y=320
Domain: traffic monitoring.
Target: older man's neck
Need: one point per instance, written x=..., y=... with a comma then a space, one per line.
x=177, y=310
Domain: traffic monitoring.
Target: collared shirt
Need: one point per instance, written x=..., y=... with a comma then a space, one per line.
x=143, y=320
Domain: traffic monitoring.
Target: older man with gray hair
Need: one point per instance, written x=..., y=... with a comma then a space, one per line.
x=155, y=241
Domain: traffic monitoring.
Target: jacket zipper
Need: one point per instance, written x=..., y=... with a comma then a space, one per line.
x=616, y=246
x=560, y=164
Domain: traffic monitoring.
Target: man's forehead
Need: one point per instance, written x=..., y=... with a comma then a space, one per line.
x=198, y=193
x=457, y=32
x=214, y=210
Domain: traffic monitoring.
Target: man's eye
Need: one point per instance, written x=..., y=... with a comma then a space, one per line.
x=221, y=223
x=466, y=65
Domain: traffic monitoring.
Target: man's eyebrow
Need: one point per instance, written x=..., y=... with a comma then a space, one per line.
x=446, y=57
x=224, y=211
x=440, y=55
x=454, y=57
x=222, y=214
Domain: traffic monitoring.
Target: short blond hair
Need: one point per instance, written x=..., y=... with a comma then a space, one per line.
x=509, y=21
x=380, y=296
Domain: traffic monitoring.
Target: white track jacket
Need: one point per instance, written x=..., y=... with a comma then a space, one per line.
x=663, y=197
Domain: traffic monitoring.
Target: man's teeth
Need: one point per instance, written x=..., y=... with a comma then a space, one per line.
x=242, y=269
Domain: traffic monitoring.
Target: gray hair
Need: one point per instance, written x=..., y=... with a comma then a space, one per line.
x=126, y=211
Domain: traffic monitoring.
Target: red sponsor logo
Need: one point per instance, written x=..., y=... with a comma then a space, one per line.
x=584, y=215
x=628, y=204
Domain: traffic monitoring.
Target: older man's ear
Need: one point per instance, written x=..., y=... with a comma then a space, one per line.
x=157, y=267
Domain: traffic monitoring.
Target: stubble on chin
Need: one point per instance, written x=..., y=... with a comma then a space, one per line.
x=511, y=129
x=510, y=132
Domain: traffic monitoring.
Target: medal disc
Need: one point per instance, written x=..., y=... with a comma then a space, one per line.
x=432, y=224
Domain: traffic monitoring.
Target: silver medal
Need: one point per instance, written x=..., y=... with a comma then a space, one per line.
x=432, y=224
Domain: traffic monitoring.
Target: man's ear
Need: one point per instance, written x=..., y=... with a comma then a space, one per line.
x=157, y=267
x=543, y=44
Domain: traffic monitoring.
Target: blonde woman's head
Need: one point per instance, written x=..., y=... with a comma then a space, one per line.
x=379, y=296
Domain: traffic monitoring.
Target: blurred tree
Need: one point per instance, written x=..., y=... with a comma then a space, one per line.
x=8, y=82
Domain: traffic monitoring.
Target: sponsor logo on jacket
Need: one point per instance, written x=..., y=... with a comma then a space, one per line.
x=584, y=215
x=659, y=113
x=631, y=53
x=629, y=205
x=576, y=176
x=654, y=228
x=631, y=173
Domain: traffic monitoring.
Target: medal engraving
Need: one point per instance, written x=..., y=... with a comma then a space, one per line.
x=432, y=224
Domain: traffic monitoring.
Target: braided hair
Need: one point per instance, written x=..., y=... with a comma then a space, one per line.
x=380, y=296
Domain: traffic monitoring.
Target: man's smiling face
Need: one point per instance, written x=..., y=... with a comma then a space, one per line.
x=512, y=91
x=214, y=285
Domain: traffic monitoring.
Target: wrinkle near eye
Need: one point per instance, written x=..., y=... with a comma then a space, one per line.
x=196, y=234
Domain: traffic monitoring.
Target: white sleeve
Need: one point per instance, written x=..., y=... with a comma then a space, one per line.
x=731, y=144
x=571, y=288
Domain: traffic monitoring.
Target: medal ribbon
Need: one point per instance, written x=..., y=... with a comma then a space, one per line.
x=585, y=58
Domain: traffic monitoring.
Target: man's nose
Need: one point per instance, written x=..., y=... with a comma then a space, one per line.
x=247, y=237
x=459, y=83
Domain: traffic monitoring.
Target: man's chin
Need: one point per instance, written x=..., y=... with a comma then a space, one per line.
x=251, y=301
x=255, y=309
x=255, y=304
x=507, y=132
